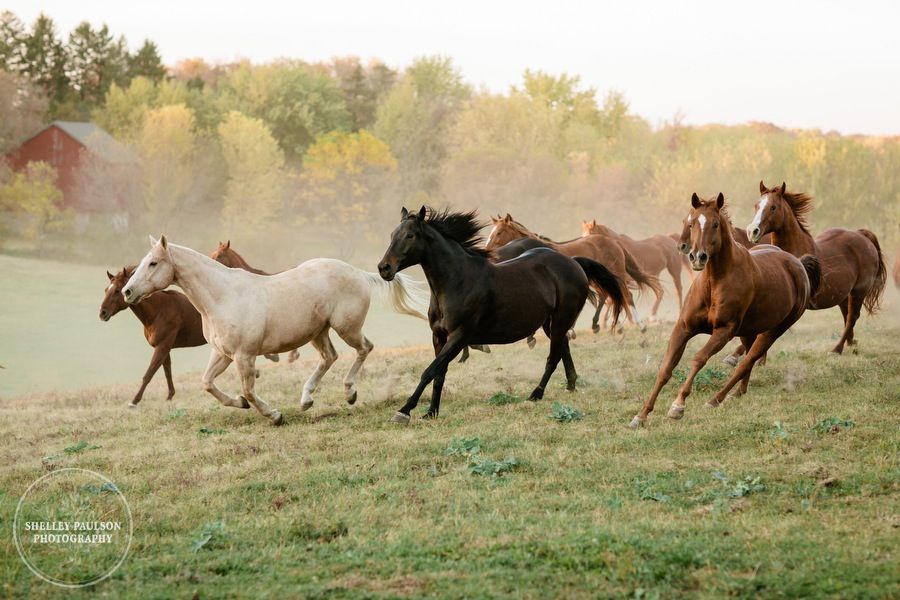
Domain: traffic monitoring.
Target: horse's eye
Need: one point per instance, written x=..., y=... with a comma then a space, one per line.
x=153, y=264
x=716, y=225
x=410, y=236
x=772, y=208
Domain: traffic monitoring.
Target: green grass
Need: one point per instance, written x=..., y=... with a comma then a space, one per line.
x=790, y=491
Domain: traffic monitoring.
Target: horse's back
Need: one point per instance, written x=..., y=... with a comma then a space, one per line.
x=851, y=263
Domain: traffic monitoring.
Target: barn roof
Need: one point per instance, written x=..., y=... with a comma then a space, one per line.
x=97, y=141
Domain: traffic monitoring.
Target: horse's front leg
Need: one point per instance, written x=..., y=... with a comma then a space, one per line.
x=160, y=356
x=218, y=362
x=444, y=353
x=677, y=343
x=167, y=369
x=720, y=336
x=246, y=366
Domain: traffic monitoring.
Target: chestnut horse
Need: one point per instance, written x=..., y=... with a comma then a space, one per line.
x=652, y=254
x=476, y=301
x=752, y=294
x=230, y=258
x=169, y=320
x=245, y=314
x=897, y=270
x=853, y=269
x=683, y=242
x=609, y=253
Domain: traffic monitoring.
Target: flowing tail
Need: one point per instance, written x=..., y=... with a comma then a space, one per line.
x=614, y=288
x=813, y=272
x=403, y=293
x=642, y=278
x=872, y=301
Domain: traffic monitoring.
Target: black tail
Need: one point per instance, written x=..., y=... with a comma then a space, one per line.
x=813, y=272
x=607, y=281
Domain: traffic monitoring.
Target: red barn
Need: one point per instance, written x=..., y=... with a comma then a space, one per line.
x=63, y=145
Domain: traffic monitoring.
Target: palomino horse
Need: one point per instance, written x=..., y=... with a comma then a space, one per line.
x=752, y=294
x=169, y=320
x=683, y=243
x=245, y=314
x=474, y=301
x=853, y=269
x=230, y=258
x=653, y=255
x=608, y=252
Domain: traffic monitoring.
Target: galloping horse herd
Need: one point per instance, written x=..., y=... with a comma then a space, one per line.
x=752, y=285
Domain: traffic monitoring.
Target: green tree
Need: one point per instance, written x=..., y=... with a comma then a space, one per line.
x=254, y=191
x=295, y=102
x=96, y=60
x=362, y=87
x=45, y=60
x=415, y=118
x=146, y=62
x=32, y=197
x=344, y=179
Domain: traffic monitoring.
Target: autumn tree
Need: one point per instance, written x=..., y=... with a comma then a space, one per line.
x=32, y=198
x=254, y=190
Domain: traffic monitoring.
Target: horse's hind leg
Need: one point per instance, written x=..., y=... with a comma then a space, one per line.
x=160, y=356
x=759, y=349
x=167, y=369
x=246, y=366
x=327, y=356
x=569, y=366
x=217, y=364
x=850, y=309
x=362, y=346
x=716, y=342
x=558, y=346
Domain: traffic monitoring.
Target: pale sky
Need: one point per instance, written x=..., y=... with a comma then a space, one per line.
x=830, y=65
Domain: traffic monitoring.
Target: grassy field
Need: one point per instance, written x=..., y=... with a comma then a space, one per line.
x=790, y=491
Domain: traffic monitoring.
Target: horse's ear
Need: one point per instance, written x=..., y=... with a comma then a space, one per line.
x=403, y=213
x=228, y=244
x=593, y=223
x=720, y=200
x=422, y=212
x=152, y=241
x=783, y=188
x=110, y=275
x=695, y=200
x=163, y=241
x=762, y=187
x=507, y=218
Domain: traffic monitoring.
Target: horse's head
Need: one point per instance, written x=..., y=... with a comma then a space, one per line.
x=587, y=227
x=155, y=272
x=503, y=231
x=114, y=301
x=707, y=224
x=770, y=211
x=407, y=244
x=223, y=253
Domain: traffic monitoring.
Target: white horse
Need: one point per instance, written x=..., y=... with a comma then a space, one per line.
x=245, y=314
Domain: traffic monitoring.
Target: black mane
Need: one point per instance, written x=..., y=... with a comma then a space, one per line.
x=462, y=228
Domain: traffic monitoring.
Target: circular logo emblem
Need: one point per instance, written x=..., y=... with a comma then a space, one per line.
x=73, y=528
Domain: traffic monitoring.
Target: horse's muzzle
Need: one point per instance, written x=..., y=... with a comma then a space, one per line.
x=130, y=297
x=698, y=260
x=386, y=271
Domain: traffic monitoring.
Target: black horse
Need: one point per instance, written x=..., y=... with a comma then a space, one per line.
x=474, y=301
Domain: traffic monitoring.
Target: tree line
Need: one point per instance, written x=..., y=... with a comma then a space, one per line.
x=315, y=152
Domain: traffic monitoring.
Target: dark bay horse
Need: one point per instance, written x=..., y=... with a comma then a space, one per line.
x=474, y=301
x=853, y=269
x=169, y=320
x=609, y=253
x=653, y=255
x=752, y=294
x=230, y=258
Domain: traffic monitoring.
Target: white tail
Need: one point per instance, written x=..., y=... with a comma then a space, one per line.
x=404, y=294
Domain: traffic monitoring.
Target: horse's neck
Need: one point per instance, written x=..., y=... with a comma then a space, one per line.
x=202, y=278
x=147, y=309
x=443, y=264
x=793, y=239
x=728, y=260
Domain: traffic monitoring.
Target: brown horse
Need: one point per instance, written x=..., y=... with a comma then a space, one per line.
x=230, y=258
x=683, y=242
x=652, y=254
x=752, y=294
x=853, y=269
x=609, y=253
x=169, y=320
x=897, y=270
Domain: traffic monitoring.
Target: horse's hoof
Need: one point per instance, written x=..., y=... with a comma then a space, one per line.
x=486, y=349
x=675, y=412
x=277, y=419
x=572, y=335
x=294, y=355
x=711, y=404
x=595, y=328
x=132, y=405
x=532, y=343
x=642, y=327
x=352, y=399
x=244, y=403
x=730, y=361
x=256, y=374
x=273, y=357
x=537, y=394
x=637, y=423
x=429, y=416
x=400, y=418
x=308, y=405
